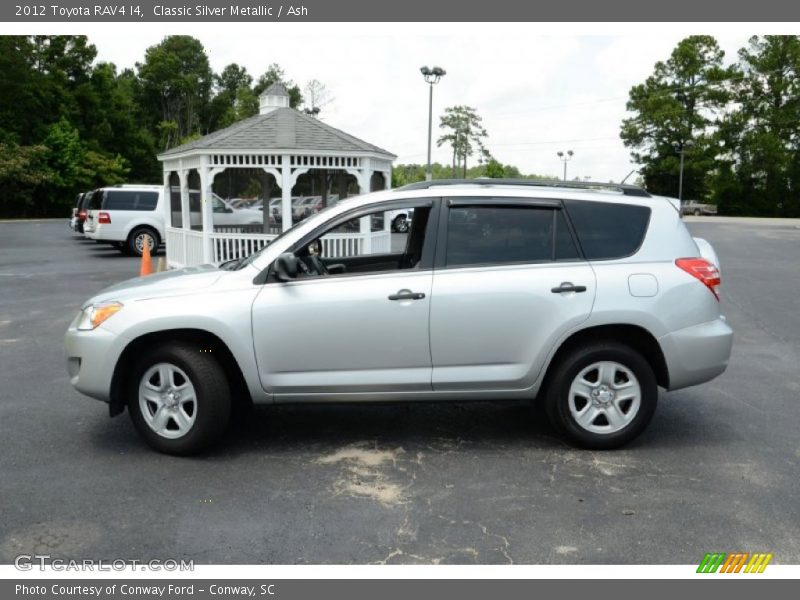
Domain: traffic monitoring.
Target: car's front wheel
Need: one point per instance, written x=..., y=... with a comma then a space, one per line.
x=400, y=224
x=602, y=395
x=179, y=398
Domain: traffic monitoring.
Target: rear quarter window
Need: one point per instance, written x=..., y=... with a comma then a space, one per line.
x=608, y=230
x=129, y=200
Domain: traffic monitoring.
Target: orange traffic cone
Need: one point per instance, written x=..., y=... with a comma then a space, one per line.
x=147, y=262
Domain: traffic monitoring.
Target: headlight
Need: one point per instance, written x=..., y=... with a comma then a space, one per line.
x=94, y=315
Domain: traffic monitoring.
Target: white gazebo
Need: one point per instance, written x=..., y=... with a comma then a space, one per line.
x=279, y=145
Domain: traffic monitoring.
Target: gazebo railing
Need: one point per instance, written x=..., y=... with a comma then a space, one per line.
x=232, y=246
x=185, y=247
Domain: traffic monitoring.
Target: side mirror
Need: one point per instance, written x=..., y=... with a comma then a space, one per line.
x=228, y=209
x=286, y=267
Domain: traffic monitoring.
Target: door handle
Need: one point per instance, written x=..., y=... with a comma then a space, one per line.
x=407, y=295
x=567, y=286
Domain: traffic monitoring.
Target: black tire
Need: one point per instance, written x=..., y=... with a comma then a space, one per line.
x=697, y=212
x=132, y=245
x=400, y=224
x=212, y=392
x=557, y=401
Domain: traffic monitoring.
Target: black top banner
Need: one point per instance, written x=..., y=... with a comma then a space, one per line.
x=404, y=11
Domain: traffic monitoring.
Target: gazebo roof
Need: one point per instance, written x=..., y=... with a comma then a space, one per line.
x=276, y=89
x=280, y=129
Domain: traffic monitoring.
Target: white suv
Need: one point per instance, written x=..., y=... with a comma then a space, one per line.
x=586, y=299
x=128, y=216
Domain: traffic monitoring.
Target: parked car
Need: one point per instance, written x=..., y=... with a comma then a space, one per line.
x=127, y=216
x=540, y=291
x=306, y=207
x=82, y=212
x=691, y=207
x=73, y=218
x=225, y=214
x=401, y=220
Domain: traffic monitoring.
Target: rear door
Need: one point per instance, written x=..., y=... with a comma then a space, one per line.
x=509, y=281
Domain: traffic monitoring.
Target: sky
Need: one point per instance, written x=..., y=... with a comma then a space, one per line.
x=539, y=89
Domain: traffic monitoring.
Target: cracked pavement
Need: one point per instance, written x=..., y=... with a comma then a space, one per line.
x=416, y=483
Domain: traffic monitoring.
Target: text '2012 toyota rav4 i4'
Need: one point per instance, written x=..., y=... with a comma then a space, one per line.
x=584, y=298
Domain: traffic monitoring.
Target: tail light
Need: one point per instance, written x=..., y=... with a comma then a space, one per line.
x=104, y=218
x=82, y=214
x=704, y=270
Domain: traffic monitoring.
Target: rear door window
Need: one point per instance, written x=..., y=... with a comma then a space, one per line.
x=608, y=230
x=486, y=235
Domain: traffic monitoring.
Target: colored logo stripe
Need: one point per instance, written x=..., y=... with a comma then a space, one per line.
x=758, y=563
x=711, y=562
x=734, y=562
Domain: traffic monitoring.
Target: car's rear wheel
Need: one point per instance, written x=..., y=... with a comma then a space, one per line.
x=697, y=212
x=601, y=396
x=141, y=236
x=179, y=399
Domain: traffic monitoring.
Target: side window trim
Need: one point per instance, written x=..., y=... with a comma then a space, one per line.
x=359, y=212
x=428, y=247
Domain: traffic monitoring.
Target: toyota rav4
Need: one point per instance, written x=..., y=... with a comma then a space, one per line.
x=585, y=298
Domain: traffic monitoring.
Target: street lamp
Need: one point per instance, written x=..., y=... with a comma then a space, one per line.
x=681, y=148
x=565, y=158
x=432, y=76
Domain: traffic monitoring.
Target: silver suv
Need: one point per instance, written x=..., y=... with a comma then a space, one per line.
x=585, y=299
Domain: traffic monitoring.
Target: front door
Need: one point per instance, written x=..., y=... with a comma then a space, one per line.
x=358, y=325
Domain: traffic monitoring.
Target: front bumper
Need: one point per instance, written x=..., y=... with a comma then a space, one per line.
x=91, y=358
x=697, y=354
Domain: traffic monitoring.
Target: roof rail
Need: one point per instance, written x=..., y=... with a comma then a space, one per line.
x=134, y=185
x=627, y=190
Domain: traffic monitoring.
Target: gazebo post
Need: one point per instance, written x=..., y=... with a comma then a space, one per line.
x=167, y=199
x=365, y=223
x=186, y=215
x=207, y=213
x=286, y=192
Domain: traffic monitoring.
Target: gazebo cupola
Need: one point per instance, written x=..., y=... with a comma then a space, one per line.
x=275, y=96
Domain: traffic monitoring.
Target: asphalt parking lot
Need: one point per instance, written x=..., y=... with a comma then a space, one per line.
x=717, y=470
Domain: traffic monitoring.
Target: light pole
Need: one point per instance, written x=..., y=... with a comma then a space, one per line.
x=432, y=76
x=565, y=158
x=681, y=148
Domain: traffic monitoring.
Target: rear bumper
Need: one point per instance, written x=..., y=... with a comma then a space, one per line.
x=104, y=234
x=697, y=354
x=91, y=358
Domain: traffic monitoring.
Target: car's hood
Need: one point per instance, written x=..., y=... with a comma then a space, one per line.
x=168, y=283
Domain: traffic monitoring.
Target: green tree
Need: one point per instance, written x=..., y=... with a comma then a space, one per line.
x=464, y=132
x=176, y=82
x=276, y=74
x=675, y=109
x=759, y=142
x=234, y=99
x=494, y=169
x=23, y=171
